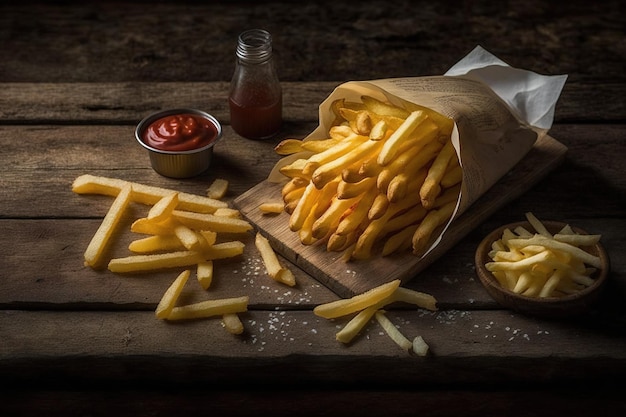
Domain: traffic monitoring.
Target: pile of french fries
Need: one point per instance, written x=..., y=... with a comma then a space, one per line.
x=541, y=264
x=183, y=231
x=370, y=304
x=385, y=174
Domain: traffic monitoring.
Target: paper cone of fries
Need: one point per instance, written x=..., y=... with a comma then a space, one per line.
x=380, y=163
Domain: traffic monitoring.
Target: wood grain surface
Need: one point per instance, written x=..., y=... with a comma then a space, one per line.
x=76, y=77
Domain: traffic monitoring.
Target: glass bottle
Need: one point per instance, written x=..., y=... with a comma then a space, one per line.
x=255, y=98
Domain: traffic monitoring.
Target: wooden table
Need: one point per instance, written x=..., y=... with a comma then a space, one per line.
x=82, y=342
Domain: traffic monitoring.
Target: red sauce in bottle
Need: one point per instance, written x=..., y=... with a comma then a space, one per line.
x=254, y=115
x=180, y=132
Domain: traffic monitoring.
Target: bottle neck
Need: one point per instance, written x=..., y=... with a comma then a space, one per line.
x=254, y=46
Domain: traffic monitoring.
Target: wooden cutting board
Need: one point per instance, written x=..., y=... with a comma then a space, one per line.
x=355, y=277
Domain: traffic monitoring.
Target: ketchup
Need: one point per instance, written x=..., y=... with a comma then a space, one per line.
x=255, y=120
x=180, y=132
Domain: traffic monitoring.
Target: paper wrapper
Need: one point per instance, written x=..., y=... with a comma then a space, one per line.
x=499, y=113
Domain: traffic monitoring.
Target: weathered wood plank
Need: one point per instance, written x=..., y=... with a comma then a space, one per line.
x=30, y=174
x=128, y=103
x=476, y=347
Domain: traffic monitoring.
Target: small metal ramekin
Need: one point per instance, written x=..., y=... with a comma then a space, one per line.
x=179, y=164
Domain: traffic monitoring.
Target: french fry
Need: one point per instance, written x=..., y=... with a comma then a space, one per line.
x=432, y=184
x=204, y=274
x=356, y=324
x=271, y=262
x=332, y=169
x=99, y=241
x=163, y=208
x=272, y=207
x=206, y=221
x=344, y=307
x=393, y=332
x=218, y=189
x=156, y=243
x=433, y=219
x=139, y=263
x=187, y=237
x=144, y=194
x=210, y=308
x=232, y=323
x=169, y=298
x=149, y=227
x=420, y=347
x=391, y=145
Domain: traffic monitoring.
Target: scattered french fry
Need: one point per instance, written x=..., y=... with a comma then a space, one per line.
x=232, y=323
x=369, y=305
x=272, y=207
x=218, y=188
x=141, y=263
x=98, y=243
x=393, y=332
x=358, y=302
x=169, y=298
x=204, y=274
x=271, y=262
x=210, y=308
x=144, y=194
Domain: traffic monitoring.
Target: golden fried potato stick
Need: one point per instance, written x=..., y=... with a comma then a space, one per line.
x=295, y=169
x=347, y=190
x=187, y=237
x=210, y=308
x=205, y=221
x=379, y=206
x=348, y=144
x=144, y=194
x=400, y=241
x=332, y=169
x=270, y=207
x=405, y=184
x=408, y=163
x=232, y=323
x=271, y=262
x=156, y=243
x=433, y=219
x=304, y=207
x=432, y=187
x=446, y=124
x=382, y=108
x=139, y=263
x=358, y=216
x=149, y=227
x=391, y=145
x=328, y=221
x=374, y=229
x=359, y=302
x=288, y=147
x=453, y=175
x=356, y=324
x=393, y=332
x=218, y=189
x=163, y=208
x=204, y=274
x=448, y=195
x=325, y=197
x=169, y=298
x=100, y=240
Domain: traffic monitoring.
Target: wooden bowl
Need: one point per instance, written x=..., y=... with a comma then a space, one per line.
x=548, y=307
